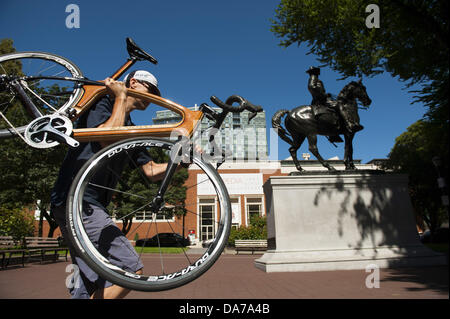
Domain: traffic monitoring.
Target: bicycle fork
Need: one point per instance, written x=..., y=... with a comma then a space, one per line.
x=172, y=165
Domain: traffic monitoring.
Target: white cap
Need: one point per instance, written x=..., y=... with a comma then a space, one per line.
x=145, y=76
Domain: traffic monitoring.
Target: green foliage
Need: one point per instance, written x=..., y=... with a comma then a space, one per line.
x=256, y=230
x=412, y=154
x=411, y=42
x=15, y=223
x=28, y=174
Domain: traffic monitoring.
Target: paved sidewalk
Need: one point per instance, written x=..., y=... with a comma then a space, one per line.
x=235, y=277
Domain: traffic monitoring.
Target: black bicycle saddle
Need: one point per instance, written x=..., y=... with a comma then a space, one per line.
x=137, y=53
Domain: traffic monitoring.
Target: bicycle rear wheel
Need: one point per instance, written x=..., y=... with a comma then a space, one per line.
x=49, y=95
x=131, y=196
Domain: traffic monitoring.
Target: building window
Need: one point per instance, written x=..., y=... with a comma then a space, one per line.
x=253, y=208
x=148, y=217
x=236, y=212
x=207, y=212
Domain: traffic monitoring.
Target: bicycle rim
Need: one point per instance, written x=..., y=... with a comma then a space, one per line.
x=49, y=95
x=162, y=268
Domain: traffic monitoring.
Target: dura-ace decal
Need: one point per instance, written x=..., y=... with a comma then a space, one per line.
x=133, y=145
x=182, y=272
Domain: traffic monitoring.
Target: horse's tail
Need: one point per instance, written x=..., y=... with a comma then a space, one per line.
x=276, y=124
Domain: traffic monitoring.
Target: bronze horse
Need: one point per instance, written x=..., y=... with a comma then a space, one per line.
x=301, y=123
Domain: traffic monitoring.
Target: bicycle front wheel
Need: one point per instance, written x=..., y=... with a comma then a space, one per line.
x=131, y=196
x=50, y=95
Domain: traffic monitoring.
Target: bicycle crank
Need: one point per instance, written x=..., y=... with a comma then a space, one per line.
x=50, y=130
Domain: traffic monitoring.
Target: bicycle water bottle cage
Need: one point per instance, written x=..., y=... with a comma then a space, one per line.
x=136, y=53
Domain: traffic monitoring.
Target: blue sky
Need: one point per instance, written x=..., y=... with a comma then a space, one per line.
x=206, y=48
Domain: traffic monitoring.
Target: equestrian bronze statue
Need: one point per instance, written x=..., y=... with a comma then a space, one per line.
x=325, y=116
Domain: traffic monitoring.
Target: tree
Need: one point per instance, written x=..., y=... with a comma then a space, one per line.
x=412, y=153
x=28, y=174
x=256, y=230
x=15, y=223
x=411, y=42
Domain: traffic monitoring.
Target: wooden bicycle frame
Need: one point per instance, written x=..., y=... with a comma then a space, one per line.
x=190, y=119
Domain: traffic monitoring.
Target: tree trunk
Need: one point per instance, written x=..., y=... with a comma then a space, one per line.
x=41, y=223
x=184, y=215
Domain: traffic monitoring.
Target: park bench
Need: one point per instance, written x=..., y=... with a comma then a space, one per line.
x=250, y=245
x=43, y=248
x=8, y=249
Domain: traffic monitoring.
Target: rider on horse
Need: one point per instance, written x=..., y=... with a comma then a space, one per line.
x=323, y=101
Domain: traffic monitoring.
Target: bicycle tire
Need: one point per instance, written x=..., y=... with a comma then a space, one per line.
x=187, y=270
x=64, y=67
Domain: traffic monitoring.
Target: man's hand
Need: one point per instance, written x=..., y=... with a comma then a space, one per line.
x=116, y=88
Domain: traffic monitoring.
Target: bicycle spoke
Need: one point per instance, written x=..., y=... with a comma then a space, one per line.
x=159, y=247
x=189, y=187
x=180, y=245
x=116, y=190
x=146, y=236
x=144, y=178
x=49, y=95
x=1, y=65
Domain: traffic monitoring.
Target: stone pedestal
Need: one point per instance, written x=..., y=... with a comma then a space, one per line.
x=344, y=220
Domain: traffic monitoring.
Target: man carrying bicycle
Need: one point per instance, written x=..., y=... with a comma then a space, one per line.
x=112, y=111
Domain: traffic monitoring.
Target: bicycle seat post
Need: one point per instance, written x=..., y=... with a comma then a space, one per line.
x=123, y=68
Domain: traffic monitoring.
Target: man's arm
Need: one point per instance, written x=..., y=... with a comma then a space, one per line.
x=120, y=108
x=155, y=171
x=119, y=111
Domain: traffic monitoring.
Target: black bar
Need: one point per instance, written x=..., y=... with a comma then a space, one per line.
x=171, y=168
x=120, y=71
x=82, y=80
x=23, y=97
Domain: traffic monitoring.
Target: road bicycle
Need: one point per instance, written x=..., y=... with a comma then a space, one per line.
x=54, y=93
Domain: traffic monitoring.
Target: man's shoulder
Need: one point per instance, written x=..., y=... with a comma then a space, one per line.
x=105, y=102
x=97, y=113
